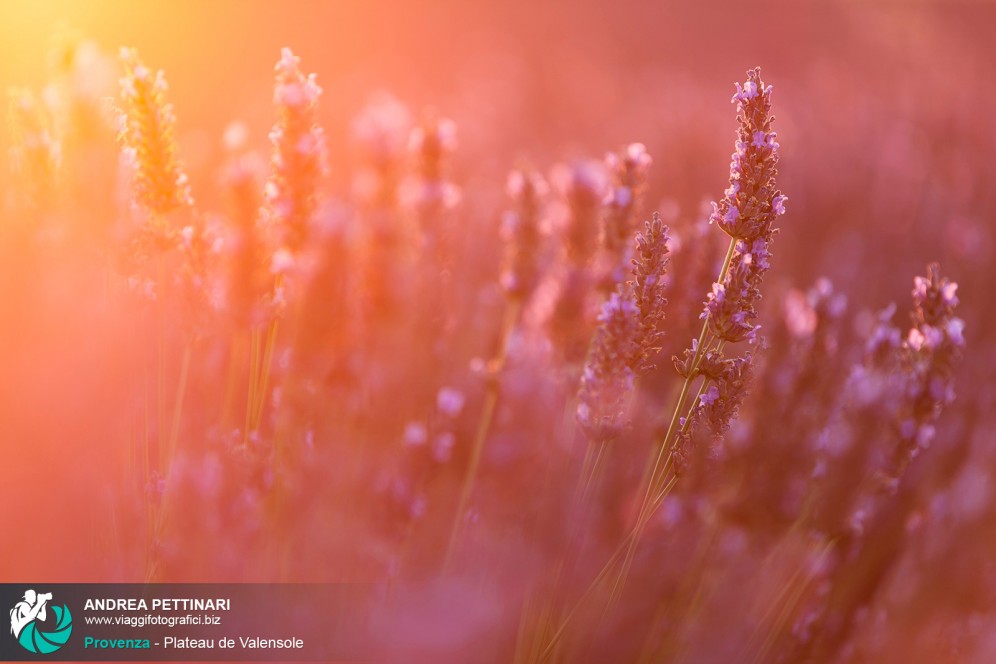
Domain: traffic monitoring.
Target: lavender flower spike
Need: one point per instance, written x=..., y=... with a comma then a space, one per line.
x=747, y=213
x=751, y=203
x=719, y=404
x=627, y=337
x=147, y=127
x=649, y=268
x=608, y=376
x=299, y=154
x=521, y=232
x=35, y=153
x=929, y=354
x=627, y=181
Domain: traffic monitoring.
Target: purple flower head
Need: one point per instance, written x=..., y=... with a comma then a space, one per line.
x=934, y=298
x=299, y=158
x=380, y=131
x=148, y=131
x=954, y=331
x=732, y=214
x=582, y=188
x=710, y=396
x=627, y=171
x=728, y=380
x=948, y=294
x=751, y=203
x=450, y=401
x=927, y=360
x=747, y=92
x=730, y=309
x=649, y=268
x=521, y=232
x=608, y=377
x=427, y=192
x=430, y=142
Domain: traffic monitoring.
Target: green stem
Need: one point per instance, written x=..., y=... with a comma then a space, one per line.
x=658, y=486
x=253, y=378
x=181, y=391
x=619, y=551
x=484, y=424
x=271, y=342
x=657, y=474
x=161, y=361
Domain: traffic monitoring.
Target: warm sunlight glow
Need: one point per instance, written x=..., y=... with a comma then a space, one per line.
x=585, y=331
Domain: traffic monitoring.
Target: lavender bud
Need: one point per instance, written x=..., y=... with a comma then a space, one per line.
x=608, y=376
x=649, y=268
x=299, y=155
x=521, y=229
x=751, y=203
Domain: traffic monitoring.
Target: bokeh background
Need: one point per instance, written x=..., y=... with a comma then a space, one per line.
x=884, y=115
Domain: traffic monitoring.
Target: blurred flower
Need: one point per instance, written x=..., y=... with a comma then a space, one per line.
x=800, y=316
x=819, y=306
x=35, y=152
x=381, y=128
x=582, y=189
x=415, y=434
x=450, y=401
x=521, y=232
x=380, y=133
x=249, y=256
x=299, y=158
x=442, y=447
x=928, y=358
x=427, y=191
x=884, y=338
x=627, y=172
x=607, y=381
x=148, y=130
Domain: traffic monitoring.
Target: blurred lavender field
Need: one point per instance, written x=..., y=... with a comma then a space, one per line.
x=358, y=349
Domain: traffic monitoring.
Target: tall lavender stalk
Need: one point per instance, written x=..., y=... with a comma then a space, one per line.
x=627, y=338
x=898, y=392
x=159, y=187
x=519, y=275
x=623, y=347
x=627, y=172
x=746, y=213
x=147, y=128
x=581, y=189
x=36, y=151
x=521, y=232
x=297, y=165
x=929, y=355
x=431, y=200
x=299, y=158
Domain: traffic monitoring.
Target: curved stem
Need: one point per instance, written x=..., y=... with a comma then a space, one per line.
x=657, y=474
x=484, y=424
x=657, y=484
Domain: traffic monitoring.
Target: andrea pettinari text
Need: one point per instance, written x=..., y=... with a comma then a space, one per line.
x=182, y=622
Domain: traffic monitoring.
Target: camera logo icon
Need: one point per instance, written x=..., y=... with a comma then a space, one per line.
x=30, y=624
